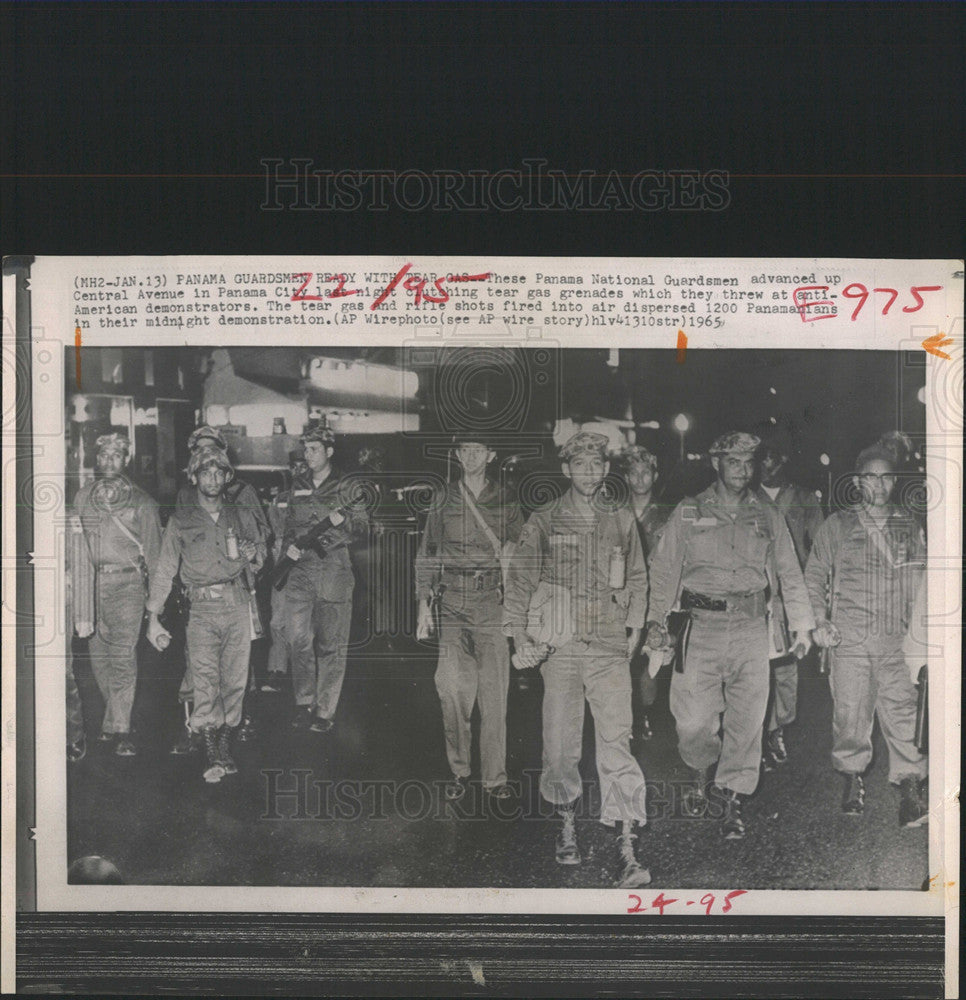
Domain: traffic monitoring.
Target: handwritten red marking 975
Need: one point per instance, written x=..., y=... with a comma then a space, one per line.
x=412, y=283
x=660, y=902
x=856, y=290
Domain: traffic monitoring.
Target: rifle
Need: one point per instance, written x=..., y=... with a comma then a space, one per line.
x=310, y=539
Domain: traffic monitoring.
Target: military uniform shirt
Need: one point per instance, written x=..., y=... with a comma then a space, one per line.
x=559, y=546
x=716, y=553
x=454, y=539
x=197, y=544
x=803, y=515
x=877, y=573
x=106, y=543
x=309, y=504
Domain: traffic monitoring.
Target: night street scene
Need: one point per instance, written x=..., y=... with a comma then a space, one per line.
x=377, y=734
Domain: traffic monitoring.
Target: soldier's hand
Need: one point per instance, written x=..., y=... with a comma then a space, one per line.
x=622, y=598
x=157, y=635
x=826, y=635
x=528, y=655
x=424, y=623
x=247, y=548
x=84, y=629
x=294, y=553
x=657, y=637
x=800, y=646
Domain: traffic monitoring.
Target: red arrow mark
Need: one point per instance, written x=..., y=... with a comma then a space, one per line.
x=682, y=346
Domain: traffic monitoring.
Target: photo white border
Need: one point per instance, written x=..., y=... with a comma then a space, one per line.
x=52, y=328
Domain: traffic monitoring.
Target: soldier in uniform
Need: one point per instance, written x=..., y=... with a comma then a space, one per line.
x=217, y=547
x=279, y=654
x=241, y=495
x=876, y=556
x=318, y=591
x=651, y=517
x=122, y=531
x=576, y=597
x=460, y=561
x=803, y=515
x=721, y=555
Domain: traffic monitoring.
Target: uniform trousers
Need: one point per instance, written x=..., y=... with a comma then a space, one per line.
x=278, y=655
x=784, y=692
x=75, y=713
x=219, y=644
x=867, y=679
x=719, y=700
x=599, y=673
x=473, y=668
x=120, y=610
x=318, y=635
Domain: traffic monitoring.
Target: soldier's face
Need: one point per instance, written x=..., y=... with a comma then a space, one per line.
x=586, y=472
x=875, y=481
x=317, y=456
x=640, y=478
x=734, y=471
x=771, y=467
x=474, y=457
x=211, y=480
x=110, y=463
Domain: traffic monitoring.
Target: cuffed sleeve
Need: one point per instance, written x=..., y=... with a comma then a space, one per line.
x=665, y=568
x=817, y=570
x=795, y=597
x=636, y=580
x=523, y=576
x=167, y=565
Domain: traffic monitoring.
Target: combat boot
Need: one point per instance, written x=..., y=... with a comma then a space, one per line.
x=246, y=731
x=633, y=874
x=190, y=742
x=224, y=751
x=214, y=770
x=853, y=801
x=732, y=825
x=694, y=797
x=776, y=754
x=913, y=808
x=567, y=852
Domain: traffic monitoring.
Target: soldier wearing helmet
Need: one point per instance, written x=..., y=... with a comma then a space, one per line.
x=640, y=471
x=122, y=534
x=723, y=553
x=575, y=600
x=803, y=515
x=216, y=547
x=242, y=496
x=318, y=590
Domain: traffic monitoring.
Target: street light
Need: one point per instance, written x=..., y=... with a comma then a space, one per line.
x=682, y=425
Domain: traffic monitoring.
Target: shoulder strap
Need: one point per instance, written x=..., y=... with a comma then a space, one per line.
x=124, y=531
x=487, y=530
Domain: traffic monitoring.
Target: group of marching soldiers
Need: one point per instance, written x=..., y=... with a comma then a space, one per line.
x=727, y=591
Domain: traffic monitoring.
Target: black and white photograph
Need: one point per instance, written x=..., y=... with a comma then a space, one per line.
x=340, y=683
x=475, y=584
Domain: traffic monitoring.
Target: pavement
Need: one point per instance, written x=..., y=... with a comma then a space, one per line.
x=363, y=805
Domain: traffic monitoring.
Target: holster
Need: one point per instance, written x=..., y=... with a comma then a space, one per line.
x=678, y=625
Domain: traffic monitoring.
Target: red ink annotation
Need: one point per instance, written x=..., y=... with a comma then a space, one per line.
x=660, y=902
x=410, y=282
x=811, y=308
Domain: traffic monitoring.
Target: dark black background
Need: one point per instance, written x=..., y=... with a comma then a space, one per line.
x=139, y=129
